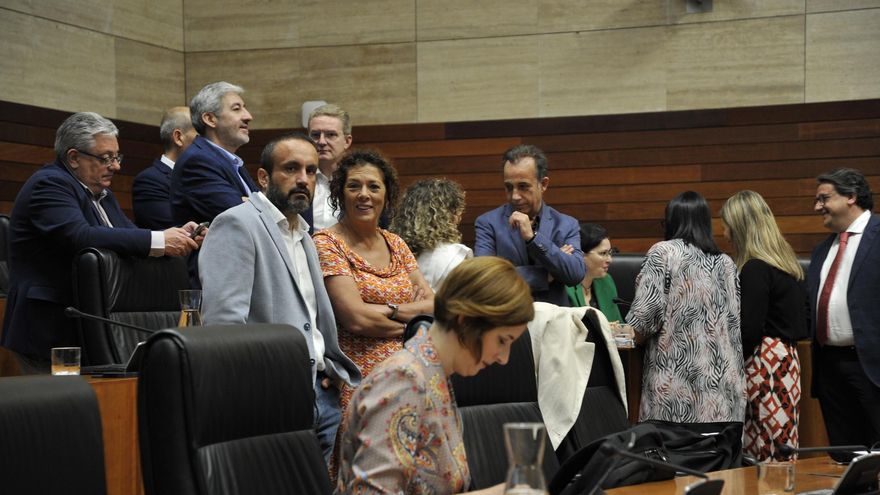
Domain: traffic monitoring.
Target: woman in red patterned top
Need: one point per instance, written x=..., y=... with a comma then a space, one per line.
x=372, y=278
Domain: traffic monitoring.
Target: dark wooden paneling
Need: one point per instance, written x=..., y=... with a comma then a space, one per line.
x=619, y=170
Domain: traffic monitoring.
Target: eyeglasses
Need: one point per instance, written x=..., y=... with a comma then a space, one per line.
x=328, y=135
x=822, y=199
x=105, y=160
x=607, y=254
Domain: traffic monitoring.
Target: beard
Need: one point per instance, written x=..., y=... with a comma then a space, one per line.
x=284, y=202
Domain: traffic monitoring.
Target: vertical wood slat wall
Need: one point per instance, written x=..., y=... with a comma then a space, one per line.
x=617, y=170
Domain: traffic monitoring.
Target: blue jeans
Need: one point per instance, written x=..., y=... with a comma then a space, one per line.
x=328, y=415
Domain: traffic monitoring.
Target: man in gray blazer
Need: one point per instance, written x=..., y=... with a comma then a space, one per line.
x=259, y=265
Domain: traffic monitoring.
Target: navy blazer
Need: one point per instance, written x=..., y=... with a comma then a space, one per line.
x=495, y=237
x=862, y=296
x=151, y=197
x=204, y=184
x=52, y=219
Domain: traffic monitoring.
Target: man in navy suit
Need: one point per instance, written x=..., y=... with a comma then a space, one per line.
x=542, y=243
x=209, y=177
x=64, y=207
x=844, y=287
x=151, y=190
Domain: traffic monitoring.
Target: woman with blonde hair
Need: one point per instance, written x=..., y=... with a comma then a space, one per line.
x=427, y=220
x=403, y=430
x=773, y=320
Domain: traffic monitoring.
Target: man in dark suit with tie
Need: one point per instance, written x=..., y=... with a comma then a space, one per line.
x=543, y=244
x=64, y=207
x=151, y=190
x=844, y=287
x=209, y=178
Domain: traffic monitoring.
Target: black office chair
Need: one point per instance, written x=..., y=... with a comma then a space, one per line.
x=228, y=410
x=139, y=291
x=50, y=437
x=4, y=255
x=513, y=382
x=483, y=434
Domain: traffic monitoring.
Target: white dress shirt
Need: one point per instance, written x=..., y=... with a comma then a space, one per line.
x=839, y=324
x=293, y=239
x=323, y=215
x=167, y=161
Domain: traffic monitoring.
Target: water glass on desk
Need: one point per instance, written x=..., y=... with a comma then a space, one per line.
x=65, y=360
x=775, y=477
x=624, y=335
x=190, y=308
x=525, y=452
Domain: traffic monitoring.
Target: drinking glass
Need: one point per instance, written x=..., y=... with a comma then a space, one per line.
x=65, y=360
x=190, y=308
x=525, y=452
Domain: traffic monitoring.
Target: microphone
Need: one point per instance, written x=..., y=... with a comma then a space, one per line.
x=612, y=450
x=72, y=312
x=845, y=453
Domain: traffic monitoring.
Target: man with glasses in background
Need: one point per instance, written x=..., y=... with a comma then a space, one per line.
x=330, y=128
x=64, y=207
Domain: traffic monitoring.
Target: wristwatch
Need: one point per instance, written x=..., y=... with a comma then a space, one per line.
x=394, y=309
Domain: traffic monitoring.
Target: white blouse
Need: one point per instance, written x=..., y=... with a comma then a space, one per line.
x=436, y=263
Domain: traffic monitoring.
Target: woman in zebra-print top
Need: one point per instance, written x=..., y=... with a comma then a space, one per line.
x=686, y=312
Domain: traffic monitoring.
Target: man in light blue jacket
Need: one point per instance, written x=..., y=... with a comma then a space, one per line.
x=259, y=265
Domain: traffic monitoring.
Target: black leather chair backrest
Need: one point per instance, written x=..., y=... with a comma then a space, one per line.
x=483, y=433
x=50, y=436
x=624, y=269
x=140, y=291
x=512, y=382
x=220, y=409
x=4, y=255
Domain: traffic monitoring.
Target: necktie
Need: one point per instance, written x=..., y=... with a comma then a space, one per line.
x=822, y=308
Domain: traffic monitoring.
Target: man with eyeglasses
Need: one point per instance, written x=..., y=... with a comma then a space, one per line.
x=844, y=290
x=64, y=207
x=330, y=128
x=542, y=243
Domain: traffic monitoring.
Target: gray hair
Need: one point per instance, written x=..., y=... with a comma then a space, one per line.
x=210, y=100
x=174, y=118
x=78, y=132
x=332, y=110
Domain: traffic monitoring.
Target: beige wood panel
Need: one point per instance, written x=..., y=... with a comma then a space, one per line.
x=842, y=55
x=814, y=6
x=600, y=72
x=375, y=83
x=459, y=19
x=739, y=63
x=38, y=66
x=494, y=78
x=221, y=25
x=578, y=15
x=149, y=80
x=157, y=22
x=741, y=9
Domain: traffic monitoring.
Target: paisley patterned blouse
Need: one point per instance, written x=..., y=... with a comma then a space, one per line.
x=687, y=303
x=403, y=429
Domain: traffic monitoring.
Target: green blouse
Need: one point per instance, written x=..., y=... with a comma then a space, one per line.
x=605, y=292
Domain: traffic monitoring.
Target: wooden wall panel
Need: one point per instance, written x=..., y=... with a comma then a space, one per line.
x=725, y=11
x=618, y=170
x=140, y=66
x=842, y=54
x=155, y=22
x=741, y=63
x=227, y=25
x=837, y=5
x=375, y=83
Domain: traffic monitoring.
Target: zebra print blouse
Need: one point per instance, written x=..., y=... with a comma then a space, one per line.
x=687, y=306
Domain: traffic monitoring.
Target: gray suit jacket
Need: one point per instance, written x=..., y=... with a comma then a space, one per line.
x=248, y=277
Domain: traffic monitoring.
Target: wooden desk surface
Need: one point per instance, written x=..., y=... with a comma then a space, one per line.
x=117, y=400
x=810, y=474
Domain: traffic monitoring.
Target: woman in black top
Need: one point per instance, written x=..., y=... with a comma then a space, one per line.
x=773, y=319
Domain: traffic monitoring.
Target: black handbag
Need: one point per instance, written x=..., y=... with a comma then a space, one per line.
x=592, y=467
